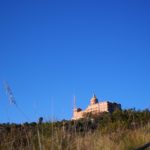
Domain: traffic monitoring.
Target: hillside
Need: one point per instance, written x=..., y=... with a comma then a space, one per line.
x=122, y=130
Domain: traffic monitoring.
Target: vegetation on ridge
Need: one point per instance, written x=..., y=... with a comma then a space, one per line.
x=121, y=130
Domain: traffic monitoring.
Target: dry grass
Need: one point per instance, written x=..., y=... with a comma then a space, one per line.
x=63, y=140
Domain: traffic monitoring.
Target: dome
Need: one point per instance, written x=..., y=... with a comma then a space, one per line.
x=93, y=100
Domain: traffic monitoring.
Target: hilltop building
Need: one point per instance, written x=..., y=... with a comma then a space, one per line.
x=95, y=107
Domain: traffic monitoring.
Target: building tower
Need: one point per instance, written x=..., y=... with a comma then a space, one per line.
x=93, y=100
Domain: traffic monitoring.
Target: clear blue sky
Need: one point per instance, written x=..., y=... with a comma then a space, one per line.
x=51, y=50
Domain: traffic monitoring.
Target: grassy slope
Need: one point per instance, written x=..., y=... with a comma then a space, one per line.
x=122, y=130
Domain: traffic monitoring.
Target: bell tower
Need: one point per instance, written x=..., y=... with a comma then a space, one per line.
x=93, y=100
